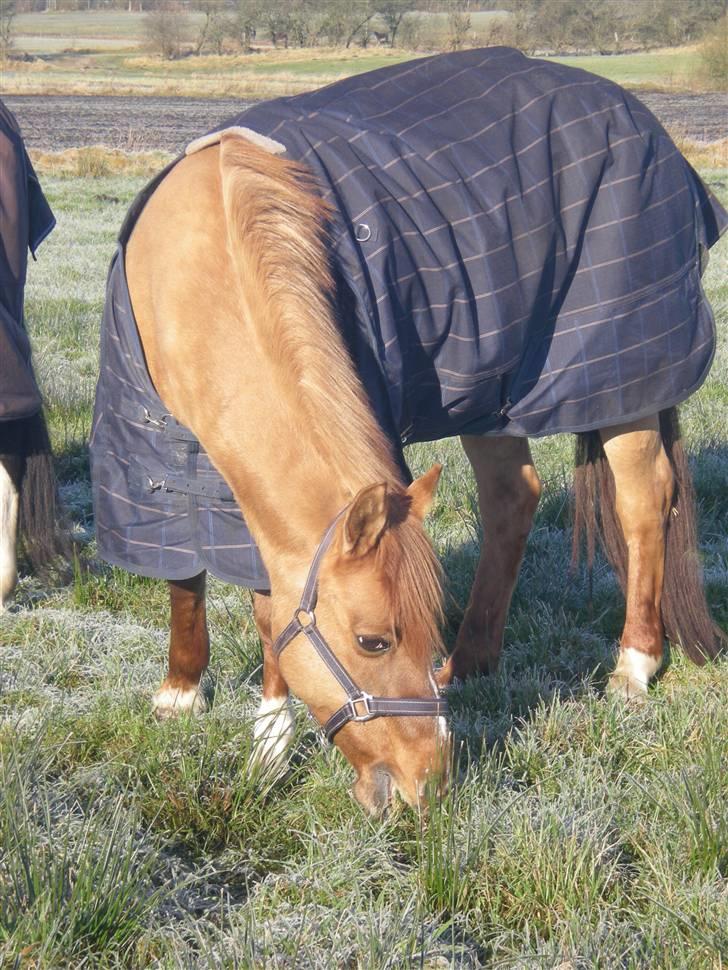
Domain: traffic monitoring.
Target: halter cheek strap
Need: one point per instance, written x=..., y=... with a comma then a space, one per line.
x=359, y=705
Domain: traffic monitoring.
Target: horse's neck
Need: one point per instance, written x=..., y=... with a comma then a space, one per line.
x=327, y=443
x=232, y=298
x=309, y=445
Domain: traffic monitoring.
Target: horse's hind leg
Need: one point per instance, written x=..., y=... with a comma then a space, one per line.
x=10, y=468
x=274, y=723
x=508, y=493
x=644, y=485
x=189, y=650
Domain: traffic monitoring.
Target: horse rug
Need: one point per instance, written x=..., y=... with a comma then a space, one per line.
x=25, y=221
x=518, y=248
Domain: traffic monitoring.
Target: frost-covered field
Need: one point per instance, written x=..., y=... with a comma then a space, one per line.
x=581, y=833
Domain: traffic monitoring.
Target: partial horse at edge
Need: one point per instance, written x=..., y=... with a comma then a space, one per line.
x=28, y=500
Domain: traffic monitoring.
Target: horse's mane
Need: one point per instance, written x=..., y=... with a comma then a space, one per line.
x=277, y=225
x=277, y=235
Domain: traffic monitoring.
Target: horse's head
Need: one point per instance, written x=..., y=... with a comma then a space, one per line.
x=377, y=607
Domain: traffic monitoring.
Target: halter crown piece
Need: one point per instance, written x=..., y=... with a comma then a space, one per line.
x=359, y=705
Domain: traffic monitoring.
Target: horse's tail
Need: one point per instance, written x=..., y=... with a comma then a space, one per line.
x=40, y=528
x=685, y=612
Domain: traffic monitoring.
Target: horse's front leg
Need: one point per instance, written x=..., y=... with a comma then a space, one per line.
x=189, y=650
x=274, y=722
x=644, y=485
x=508, y=492
x=10, y=469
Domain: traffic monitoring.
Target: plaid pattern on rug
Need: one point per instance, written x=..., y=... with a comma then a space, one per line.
x=518, y=248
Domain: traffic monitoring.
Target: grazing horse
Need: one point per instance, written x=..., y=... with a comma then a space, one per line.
x=475, y=244
x=27, y=483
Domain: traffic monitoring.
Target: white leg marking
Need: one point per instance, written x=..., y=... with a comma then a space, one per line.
x=172, y=701
x=633, y=672
x=8, y=535
x=272, y=733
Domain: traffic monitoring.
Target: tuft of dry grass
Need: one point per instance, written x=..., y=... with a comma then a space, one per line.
x=246, y=87
x=96, y=161
x=702, y=154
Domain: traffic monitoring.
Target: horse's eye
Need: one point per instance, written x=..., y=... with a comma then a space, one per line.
x=373, y=644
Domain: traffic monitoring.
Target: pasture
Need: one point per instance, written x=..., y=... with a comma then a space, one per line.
x=104, y=52
x=93, y=67
x=581, y=832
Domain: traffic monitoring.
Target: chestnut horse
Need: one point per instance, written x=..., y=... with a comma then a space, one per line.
x=266, y=385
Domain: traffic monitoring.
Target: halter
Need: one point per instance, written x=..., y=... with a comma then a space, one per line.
x=359, y=705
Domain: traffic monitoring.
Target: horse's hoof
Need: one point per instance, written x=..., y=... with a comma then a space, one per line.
x=8, y=581
x=272, y=734
x=173, y=701
x=620, y=685
x=632, y=674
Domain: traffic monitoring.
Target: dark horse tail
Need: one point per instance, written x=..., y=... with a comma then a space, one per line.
x=27, y=449
x=685, y=613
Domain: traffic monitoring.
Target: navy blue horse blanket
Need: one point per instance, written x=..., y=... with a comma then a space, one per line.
x=518, y=248
x=25, y=221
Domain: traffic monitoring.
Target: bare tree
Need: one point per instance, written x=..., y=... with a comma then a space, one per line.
x=7, y=12
x=247, y=20
x=298, y=22
x=220, y=29
x=347, y=20
x=580, y=24
x=276, y=18
x=393, y=13
x=213, y=12
x=458, y=22
x=166, y=29
x=410, y=32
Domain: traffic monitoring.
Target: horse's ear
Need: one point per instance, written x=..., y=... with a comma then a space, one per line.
x=422, y=491
x=366, y=520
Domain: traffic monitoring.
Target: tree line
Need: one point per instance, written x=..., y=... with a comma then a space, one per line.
x=533, y=25
x=304, y=23
x=605, y=26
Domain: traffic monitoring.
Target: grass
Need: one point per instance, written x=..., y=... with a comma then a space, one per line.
x=581, y=833
x=72, y=24
x=265, y=74
x=669, y=69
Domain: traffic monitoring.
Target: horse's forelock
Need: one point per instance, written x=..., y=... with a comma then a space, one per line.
x=413, y=577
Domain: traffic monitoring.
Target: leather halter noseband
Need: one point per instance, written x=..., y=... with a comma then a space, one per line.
x=359, y=705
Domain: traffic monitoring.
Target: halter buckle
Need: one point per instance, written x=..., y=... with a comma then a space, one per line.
x=364, y=699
